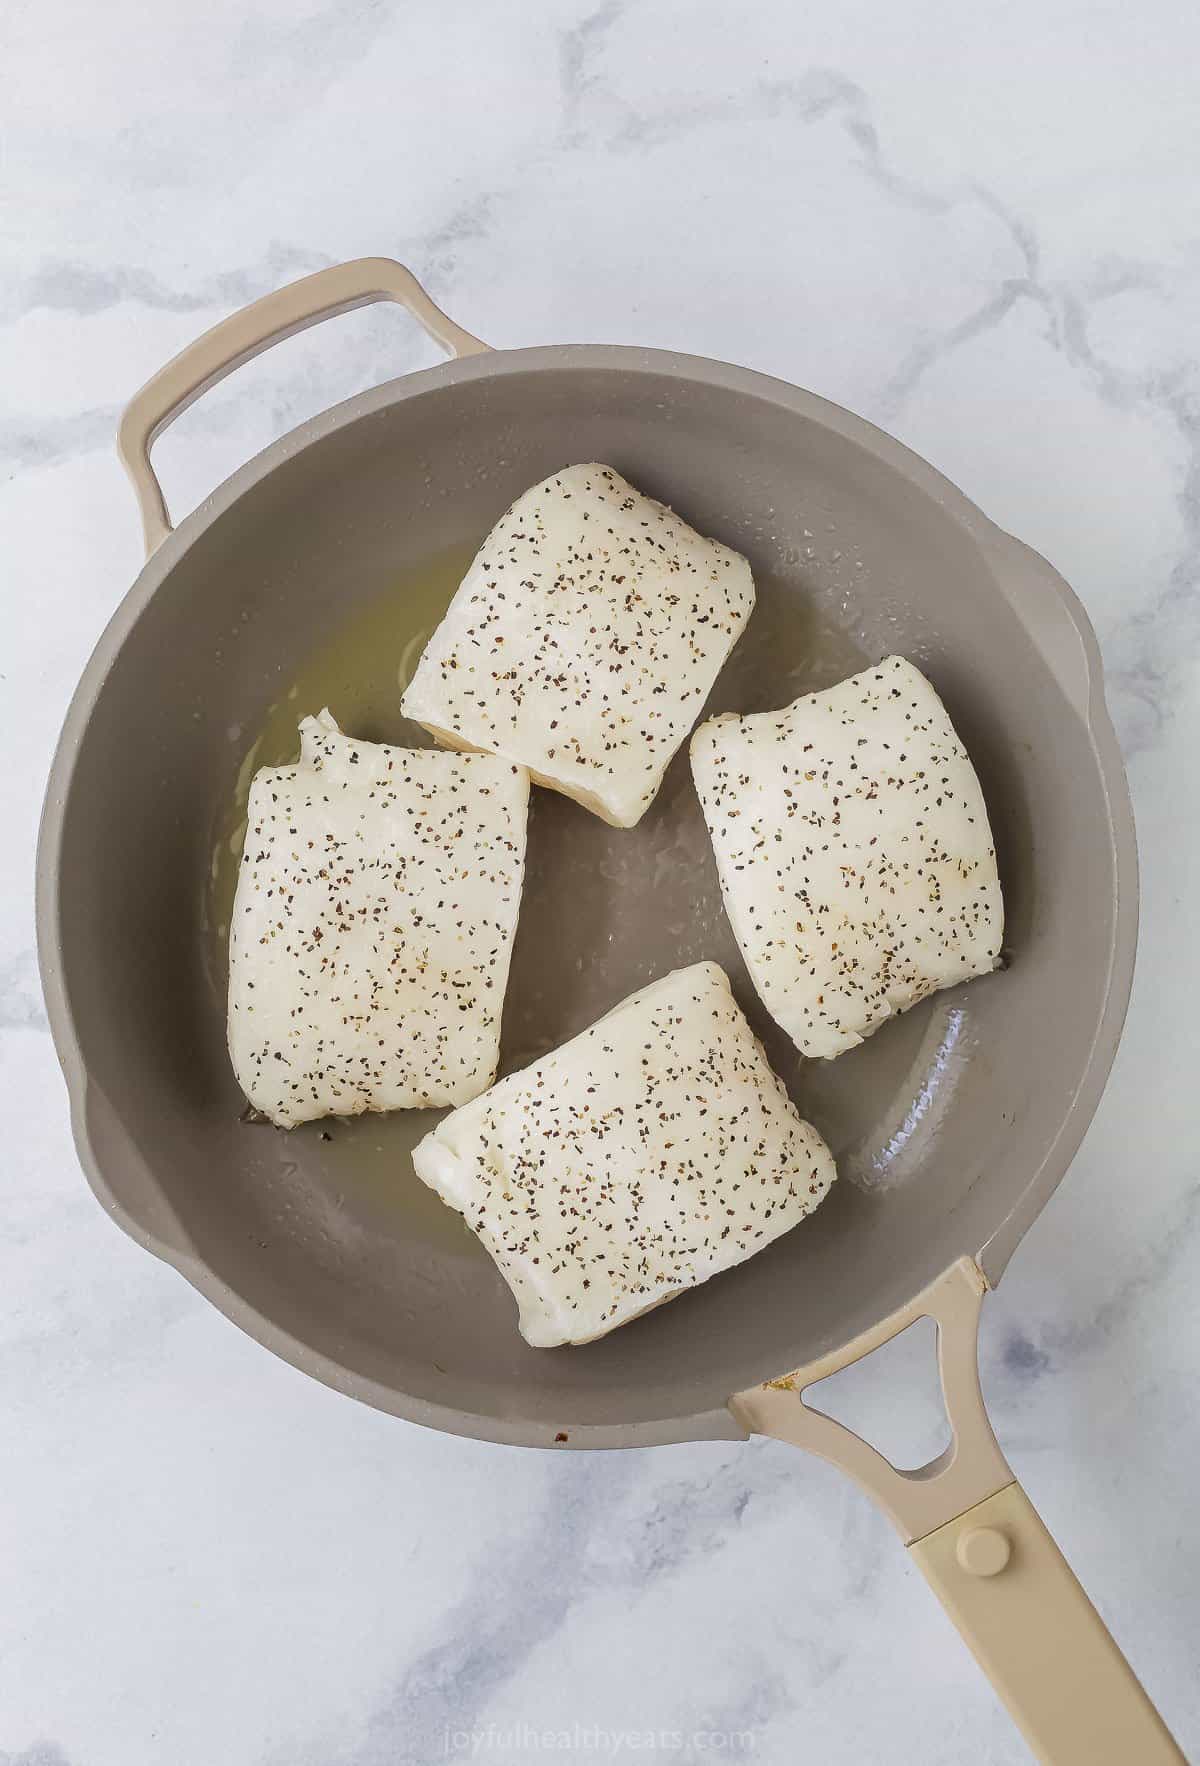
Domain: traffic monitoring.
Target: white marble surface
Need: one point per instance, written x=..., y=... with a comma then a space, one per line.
x=977, y=226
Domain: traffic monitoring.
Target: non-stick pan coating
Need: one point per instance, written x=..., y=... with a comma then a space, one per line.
x=951, y=1125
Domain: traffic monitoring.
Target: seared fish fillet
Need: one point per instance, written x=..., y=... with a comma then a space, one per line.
x=644, y=1156
x=854, y=852
x=372, y=926
x=584, y=640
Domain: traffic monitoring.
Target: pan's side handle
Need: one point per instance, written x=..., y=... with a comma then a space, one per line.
x=981, y=1546
x=244, y=335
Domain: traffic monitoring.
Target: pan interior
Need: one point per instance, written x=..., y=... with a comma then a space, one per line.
x=318, y=586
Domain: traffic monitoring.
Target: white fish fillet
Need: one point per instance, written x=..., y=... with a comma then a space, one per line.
x=584, y=640
x=646, y=1155
x=854, y=852
x=373, y=926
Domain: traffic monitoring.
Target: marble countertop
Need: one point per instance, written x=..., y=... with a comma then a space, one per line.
x=978, y=229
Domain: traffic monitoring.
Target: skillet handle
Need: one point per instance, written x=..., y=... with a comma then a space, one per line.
x=246, y=334
x=1039, y=1639
x=982, y=1547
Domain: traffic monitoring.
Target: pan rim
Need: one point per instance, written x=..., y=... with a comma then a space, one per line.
x=1009, y=558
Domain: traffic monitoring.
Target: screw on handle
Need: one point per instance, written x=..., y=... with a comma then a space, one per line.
x=981, y=1546
x=1040, y=1641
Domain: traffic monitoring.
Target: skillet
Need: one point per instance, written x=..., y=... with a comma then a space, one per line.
x=313, y=576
